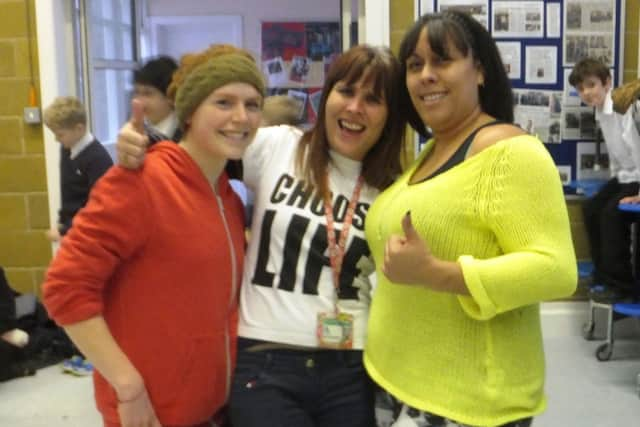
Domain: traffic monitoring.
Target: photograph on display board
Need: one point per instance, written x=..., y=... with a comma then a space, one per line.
x=588, y=164
x=553, y=20
x=523, y=19
x=300, y=66
x=565, y=174
x=275, y=71
x=511, y=55
x=594, y=46
x=283, y=39
x=323, y=40
x=578, y=122
x=589, y=31
x=479, y=9
x=541, y=65
x=594, y=15
x=539, y=113
x=296, y=63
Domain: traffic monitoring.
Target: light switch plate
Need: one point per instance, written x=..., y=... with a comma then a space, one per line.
x=32, y=115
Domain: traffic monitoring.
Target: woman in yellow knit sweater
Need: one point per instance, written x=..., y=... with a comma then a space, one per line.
x=467, y=242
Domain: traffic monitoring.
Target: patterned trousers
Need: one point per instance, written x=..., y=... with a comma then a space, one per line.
x=390, y=412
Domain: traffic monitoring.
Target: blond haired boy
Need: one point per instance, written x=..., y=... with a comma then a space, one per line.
x=83, y=159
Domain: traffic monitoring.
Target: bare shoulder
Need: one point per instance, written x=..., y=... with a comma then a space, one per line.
x=493, y=134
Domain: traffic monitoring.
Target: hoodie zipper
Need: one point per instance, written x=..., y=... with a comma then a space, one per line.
x=233, y=289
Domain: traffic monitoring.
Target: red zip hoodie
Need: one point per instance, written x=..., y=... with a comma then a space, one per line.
x=159, y=255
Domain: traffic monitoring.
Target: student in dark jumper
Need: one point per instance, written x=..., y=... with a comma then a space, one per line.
x=83, y=159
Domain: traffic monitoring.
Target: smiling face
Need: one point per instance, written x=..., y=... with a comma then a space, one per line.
x=354, y=118
x=224, y=124
x=593, y=92
x=443, y=89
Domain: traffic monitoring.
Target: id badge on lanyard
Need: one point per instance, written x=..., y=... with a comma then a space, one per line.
x=335, y=330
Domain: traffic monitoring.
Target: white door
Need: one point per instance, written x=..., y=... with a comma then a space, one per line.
x=177, y=35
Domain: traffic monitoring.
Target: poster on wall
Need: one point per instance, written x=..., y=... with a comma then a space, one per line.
x=541, y=65
x=323, y=40
x=295, y=59
x=586, y=165
x=522, y=19
x=479, y=9
x=565, y=174
x=510, y=52
x=538, y=112
x=578, y=122
x=426, y=6
x=553, y=21
x=589, y=31
x=274, y=70
x=283, y=39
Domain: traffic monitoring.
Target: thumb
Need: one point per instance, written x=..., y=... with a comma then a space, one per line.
x=407, y=226
x=137, y=115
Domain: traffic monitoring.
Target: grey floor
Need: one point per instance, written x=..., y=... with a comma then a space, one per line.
x=582, y=392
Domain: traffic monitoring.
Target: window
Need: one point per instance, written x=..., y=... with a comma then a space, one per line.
x=108, y=54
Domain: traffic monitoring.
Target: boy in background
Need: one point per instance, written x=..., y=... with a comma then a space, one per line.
x=83, y=159
x=150, y=88
x=607, y=227
x=160, y=122
x=281, y=110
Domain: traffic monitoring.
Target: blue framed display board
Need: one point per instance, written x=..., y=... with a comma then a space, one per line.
x=540, y=41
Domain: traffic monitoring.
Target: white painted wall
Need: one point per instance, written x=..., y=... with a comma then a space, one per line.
x=177, y=35
x=253, y=12
x=57, y=78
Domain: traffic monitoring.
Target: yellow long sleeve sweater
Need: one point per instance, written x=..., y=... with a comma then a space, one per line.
x=475, y=359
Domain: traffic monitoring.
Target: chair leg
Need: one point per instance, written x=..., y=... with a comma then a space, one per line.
x=589, y=327
x=605, y=351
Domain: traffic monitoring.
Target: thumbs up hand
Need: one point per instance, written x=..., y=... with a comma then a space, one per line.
x=407, y=258
x=132, y=141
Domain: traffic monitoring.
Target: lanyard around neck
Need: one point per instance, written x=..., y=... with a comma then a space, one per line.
x=337, y=249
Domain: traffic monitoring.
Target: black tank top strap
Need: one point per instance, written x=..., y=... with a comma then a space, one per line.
x=461, y=153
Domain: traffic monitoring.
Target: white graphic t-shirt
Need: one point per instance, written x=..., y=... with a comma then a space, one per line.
x=287, y=273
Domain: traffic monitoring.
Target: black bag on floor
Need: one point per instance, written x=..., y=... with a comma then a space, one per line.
x=48, y=343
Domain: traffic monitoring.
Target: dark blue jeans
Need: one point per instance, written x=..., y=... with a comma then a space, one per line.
x=293, y=388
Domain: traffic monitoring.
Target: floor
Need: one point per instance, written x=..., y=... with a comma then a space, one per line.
x=582, y=392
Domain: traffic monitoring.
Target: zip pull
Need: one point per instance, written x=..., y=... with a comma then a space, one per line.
x=218, y=198
x=220, y=203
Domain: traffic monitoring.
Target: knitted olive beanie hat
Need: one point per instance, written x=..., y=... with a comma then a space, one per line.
x=202, y=73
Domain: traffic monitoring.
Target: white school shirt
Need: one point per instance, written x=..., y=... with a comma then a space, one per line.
x=622, y=140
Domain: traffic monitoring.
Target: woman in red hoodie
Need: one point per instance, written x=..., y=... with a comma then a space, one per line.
x=146, y=281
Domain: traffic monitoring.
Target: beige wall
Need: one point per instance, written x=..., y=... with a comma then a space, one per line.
x=631, y=36
x=24, y=250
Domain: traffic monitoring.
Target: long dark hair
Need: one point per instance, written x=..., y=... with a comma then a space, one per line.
x=467, y=35
x=381, y=165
